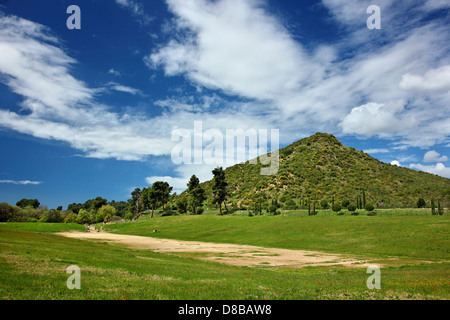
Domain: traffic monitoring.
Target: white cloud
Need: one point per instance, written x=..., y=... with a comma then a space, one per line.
x=433, y=156
x=114, y=72
x=438, y=169
x=376, y=119
x=122, y=88
x=382, y=150
x=396, y=163
x=433, y=80
x=234, y=46
x=21, y=182
x=137, y=9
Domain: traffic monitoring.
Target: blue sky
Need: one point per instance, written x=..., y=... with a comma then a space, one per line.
x=90, y=112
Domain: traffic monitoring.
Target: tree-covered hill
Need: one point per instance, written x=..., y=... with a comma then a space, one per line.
x=320, y=169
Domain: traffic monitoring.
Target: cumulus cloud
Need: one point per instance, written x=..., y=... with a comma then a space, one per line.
x=376, y=119
x=396, y=163
x=254, y=56
x=433, y=80
x=433, y=156
x=438, y=169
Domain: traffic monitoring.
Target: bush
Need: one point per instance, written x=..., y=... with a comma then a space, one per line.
x=105, y=213
x=85, y=217
x=128, y=216
x=421, y=203
x=351, y=208
x=272, y=208
x=181, y=204
x=369, y=207
x=6, y=211
x=51, y=216
x=337, y=207
x=71, y=218
x=324, y=204
x=345, y=203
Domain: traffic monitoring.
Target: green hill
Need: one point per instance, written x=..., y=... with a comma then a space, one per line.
x=321, y=168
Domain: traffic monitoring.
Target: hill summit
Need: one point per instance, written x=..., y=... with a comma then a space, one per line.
x=320, y=168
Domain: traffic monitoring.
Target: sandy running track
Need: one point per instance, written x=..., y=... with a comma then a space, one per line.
x=233, y=254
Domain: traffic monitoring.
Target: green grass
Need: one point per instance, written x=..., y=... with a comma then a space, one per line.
x=385, y=235
x=33, y=260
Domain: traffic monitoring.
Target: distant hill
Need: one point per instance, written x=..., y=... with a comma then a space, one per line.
x=321, y=168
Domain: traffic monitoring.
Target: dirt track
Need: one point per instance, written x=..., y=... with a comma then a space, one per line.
x=240, y=255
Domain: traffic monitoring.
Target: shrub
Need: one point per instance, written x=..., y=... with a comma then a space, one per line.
x=51, y=216
x=351, y=208
x=85, y=217
x=272, y=208
x=71, y=218
x=105, y=213
x=421, y=203
x=345, y=203
x=324, y=204
x=369, y=207
x=6, y=211
x=337, y=207
x=128, y=216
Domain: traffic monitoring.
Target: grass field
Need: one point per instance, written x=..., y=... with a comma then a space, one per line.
x=33, y=261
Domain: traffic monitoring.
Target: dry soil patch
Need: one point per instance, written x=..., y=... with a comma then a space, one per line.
x=233, y=254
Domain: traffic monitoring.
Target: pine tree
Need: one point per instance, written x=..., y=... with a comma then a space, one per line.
x=219, y=187
x=433, y=208
x=364, y=199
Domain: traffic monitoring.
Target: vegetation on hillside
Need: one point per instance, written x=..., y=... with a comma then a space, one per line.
x=319, y=169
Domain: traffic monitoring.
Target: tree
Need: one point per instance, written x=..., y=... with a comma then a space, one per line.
x=98, y=202
x=74, y=207
x=181, y=204
x=136, y=200
x=363, y=198
x=196, y=194
x=71, y=218
x=106, y=212
x=421, y=203
x=440, y=210
x=27, y=203
x=6, y=211
x=52, y=216
x=433, y=207
x=219, y=187
x=162, y=192
x=85, y=217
